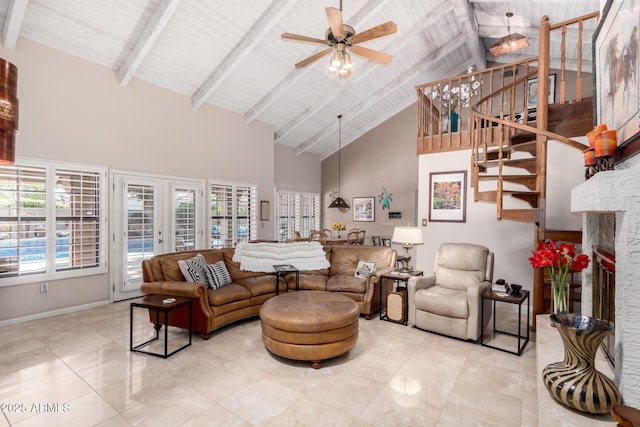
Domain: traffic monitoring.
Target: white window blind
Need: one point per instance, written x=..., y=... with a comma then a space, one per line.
x=51, y=219
x=297, y=212
x=185, y=218
x=233, y=213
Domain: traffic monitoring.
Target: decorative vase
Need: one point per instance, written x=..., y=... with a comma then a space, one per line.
x=575, y=382
x=338, y=231
x=454, y=121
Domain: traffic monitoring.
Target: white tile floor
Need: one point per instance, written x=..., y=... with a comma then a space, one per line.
x=76, y=370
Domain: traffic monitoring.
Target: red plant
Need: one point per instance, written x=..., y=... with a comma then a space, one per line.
x=558, y=260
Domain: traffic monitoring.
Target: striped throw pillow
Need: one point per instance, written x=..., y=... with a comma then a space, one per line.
x=193, y=269
x=217, y=275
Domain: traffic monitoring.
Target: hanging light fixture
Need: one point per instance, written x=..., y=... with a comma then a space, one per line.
x=8, y=111
x=340, y=61
x=510, y=42
x=339, y=202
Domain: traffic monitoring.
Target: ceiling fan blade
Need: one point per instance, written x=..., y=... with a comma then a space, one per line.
x=299, y=38
x=313, y=58
x=335, y=21
x=374, y=55
x=381, y=30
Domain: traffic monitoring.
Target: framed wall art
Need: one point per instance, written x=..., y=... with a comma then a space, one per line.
x=532, y=91
x=616, y=70
x=364, y=209
x=447, y=196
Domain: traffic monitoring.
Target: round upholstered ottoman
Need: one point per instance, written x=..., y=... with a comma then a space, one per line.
x=309, y=325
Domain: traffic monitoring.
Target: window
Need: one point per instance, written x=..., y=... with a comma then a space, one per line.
x=233, y=213
x=297, y=212
x=51, y=219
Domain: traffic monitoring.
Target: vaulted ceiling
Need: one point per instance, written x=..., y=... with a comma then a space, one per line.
x=230, y=53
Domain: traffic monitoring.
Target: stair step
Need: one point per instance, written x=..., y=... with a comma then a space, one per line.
x=523, y=215
x=528, y=164
x=530, y=197
x=528, y=181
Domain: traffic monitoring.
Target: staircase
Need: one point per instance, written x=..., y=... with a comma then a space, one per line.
x=507, y=133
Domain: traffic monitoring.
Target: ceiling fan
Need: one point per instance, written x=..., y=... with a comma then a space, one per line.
x=342, y=39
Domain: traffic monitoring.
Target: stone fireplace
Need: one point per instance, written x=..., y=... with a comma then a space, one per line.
x=617, y=191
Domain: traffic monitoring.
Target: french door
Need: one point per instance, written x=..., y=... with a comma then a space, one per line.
x=151, y=215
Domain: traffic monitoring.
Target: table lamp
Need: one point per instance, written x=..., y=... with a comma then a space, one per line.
x=407, y=237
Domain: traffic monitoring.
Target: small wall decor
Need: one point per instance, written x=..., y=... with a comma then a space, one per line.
x=395, y=215
x=364, y=209
x=447, y=196
x=264, y=210
x=385, y=199
x=532, y=91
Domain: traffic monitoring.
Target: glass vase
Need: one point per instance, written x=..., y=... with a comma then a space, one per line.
x=339, y=233
x=559, y=300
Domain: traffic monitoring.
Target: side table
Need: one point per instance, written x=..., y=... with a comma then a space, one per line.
x=281, y=271
x=393, y=298
x=509, y=299
x=154, y=303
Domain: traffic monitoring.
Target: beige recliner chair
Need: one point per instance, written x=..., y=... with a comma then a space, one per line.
x=449, y=301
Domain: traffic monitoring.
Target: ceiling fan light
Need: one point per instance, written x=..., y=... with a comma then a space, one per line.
x=336, y=61
x=347, y=62
x=332, y=69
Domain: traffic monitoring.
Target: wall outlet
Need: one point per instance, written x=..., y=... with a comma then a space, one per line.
x=44, y=288
x=424, y=222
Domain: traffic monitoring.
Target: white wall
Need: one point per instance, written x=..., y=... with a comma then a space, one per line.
x=74, y=110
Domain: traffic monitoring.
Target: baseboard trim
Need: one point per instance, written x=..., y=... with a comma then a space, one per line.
x=52, y=313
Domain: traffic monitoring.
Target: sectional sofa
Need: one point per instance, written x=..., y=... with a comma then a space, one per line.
x=214, y=308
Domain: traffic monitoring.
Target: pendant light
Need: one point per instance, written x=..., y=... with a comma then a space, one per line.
x=510, y=42
x=339, y=202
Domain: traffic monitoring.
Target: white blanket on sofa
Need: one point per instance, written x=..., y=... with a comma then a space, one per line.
x=261, y=257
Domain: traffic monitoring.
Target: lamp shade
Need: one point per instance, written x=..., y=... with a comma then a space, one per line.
x=509, y=43
x=407, y=236
x=339, y=203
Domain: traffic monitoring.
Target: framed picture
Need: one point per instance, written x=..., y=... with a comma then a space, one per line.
x=264, y=210
x=616, y=70
x=364, y=208
x=532, y=91
x=447, y=196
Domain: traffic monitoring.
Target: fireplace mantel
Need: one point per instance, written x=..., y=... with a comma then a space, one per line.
x=617, y=191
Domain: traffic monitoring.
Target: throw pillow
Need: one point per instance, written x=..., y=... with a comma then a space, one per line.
x=364, y=268
x=217, y=275
x=193, y=269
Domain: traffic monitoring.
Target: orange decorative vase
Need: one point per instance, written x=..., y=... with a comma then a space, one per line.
x=591, y=135
x=606, y=143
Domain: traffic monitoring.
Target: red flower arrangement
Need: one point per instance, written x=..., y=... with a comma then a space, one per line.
x=558, y=260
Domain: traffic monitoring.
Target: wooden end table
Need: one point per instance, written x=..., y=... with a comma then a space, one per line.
x=400, y=280
x=509, y=299
x=154, y=303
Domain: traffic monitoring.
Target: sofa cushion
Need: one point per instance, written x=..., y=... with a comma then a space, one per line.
x=259, y=285
x=228, y=294
x=217, y=275
x=344, y=259
x=193, y=269
x=443, y=301
x=346, y=283
x=458, y=265
x=308, y=281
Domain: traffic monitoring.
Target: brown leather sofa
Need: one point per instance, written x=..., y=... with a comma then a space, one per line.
x=243, y=298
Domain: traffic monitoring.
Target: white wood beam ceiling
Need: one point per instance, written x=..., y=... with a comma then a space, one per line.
x=152, y=30
x=395, y=84
x=392, y=48
x=296, y=74
x=271, y=17
x=13, y=23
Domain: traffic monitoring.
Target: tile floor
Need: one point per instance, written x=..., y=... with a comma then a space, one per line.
x=76, y=370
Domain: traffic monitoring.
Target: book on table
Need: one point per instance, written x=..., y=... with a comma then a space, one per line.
x=284, y=268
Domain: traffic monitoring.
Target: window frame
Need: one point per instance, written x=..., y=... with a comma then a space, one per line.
x=51, y=272
x=230, y=207
x=296, y=213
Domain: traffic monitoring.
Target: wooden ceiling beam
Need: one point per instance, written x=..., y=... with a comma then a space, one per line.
x=245, y=46
x=152, y=30
x=13, y=23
